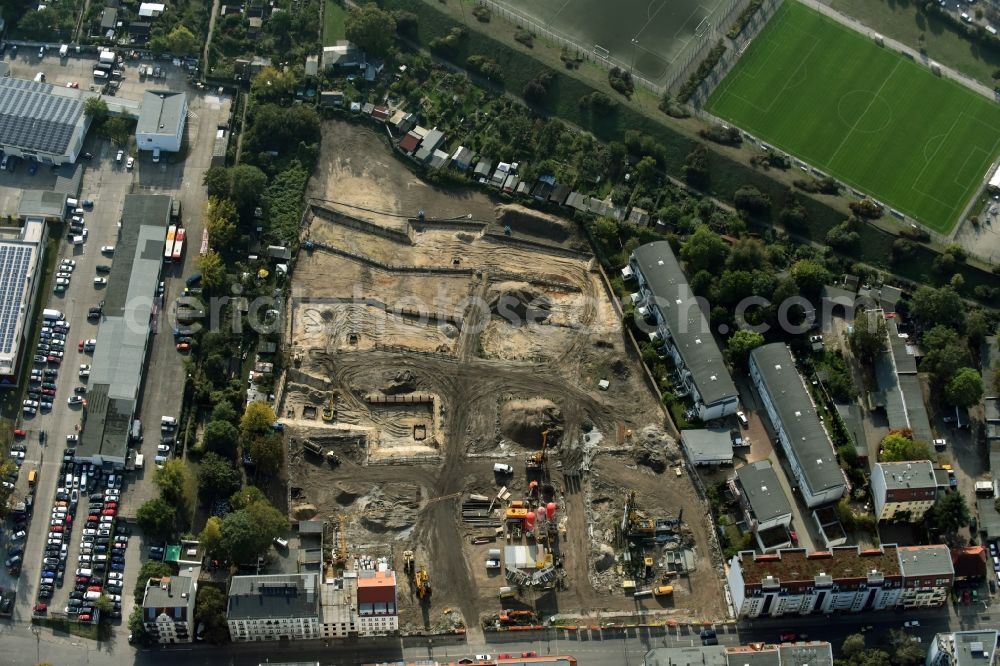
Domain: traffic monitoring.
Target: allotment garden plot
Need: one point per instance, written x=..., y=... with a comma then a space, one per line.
x=881, y=123
x=665, y=31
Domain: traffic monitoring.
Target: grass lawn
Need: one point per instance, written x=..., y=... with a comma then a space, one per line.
x=333, y=22
x=942, y=41
x=863, y=114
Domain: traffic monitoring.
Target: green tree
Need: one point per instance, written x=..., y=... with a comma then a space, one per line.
x=216, y=477
x=96, y=109
x=704, y=250
x=938, y=306
x=949, y=514
x=211, y=535
x=899, y=446
x=371, y=28
x=156, y=517
x=210, y=610
x=213, y=270
x=218, y=183
x=810, y=276
x=646, y=170
x=221, y=437
x=257, y=419
x=944, y=362
x=247, y=533
x=748, y=198
x=965, y=388
x=906, y=651
x=853, y=645
x=220, y=221
x=747, y=254
x=248, y=183
x=7, y=467
x=172, y=479
x=866, y=343
x=118, y=130
x=149, y=569
x=273, y=84
x=182, y=41
x=246, y=496
x=741, y=344
x=105, y=605
x=268, y=453
x=224, y=411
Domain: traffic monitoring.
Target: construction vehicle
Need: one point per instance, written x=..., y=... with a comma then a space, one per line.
x=328, y=412
x=408, y=562
x=423, y=583
x=537, y=460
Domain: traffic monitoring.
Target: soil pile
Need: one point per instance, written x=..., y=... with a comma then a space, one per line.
x=518, y=304
x=655, y=449
x=304, y=511
x=524, y=421
x=389, y=511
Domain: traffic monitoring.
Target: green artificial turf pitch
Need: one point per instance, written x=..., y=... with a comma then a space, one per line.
x=863, y=114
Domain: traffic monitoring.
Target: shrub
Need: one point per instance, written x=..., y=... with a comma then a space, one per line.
x=621, y=81
x=743, y=20
x=482, y=13
x=704, y=69
x=536, y=89
x=598, y=102
x=448, y=44
x=524, y=37
x=487, y=67
x=866, y=208
x=751, y=200
x=724, y=134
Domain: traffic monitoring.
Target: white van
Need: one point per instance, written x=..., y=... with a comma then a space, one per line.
x=92, y=596
x=501, y=468
x=72, y=203
x=77, y=240
x=68, y=483
x=63, y=50
x=49, y=314
x=282, y=543
x=100, y=74
x=167, y=423
x=139, y=460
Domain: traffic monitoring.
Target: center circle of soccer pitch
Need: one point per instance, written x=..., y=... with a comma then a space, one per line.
x=864, y=111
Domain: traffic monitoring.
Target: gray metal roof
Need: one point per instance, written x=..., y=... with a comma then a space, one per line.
x=903, y=475
x=989, y=355
x=925, y=560
x=711, y=655
x=989, y=518
x=275, y=596
x=167, y=593
x=163, y=112
x=799, y=654
x=430, y=142
x=896, y=374
x=711, y=443
x=120, y=355
x=681, y=313
x=763, y=491
x=38, y=116
x=975, y=648
x=808, y=438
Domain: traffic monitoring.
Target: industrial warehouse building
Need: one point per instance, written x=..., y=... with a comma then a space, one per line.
x=161, y=121
x=21, y=256
x=123, y=335
x=42, y=122
x=793, y=416
x=665, y=300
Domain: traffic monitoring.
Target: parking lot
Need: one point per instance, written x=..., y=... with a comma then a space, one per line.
x=107, y=182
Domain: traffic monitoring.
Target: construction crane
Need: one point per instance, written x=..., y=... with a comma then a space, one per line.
x=423, y=583
x=536, y=460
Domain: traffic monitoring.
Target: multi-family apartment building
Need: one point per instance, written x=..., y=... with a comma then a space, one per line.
x=812, y=653
x=845, y=579
x=274, y=607
x=377, y=612
x=766, y=509
x=168, y=608
x=797, y=426
x=903, y=491
x=666, y=303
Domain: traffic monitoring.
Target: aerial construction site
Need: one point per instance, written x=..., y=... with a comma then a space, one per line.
x=462, y=400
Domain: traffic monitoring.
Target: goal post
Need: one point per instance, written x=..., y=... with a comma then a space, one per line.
x=601, y=52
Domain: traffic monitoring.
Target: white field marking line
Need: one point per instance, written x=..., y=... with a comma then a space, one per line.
x=965, y=188
x=556, y=15
x=863, y=113
x=777, y=95
x=975, y=151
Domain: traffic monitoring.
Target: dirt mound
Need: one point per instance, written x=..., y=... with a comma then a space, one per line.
x=403, y=382
x=523, y=421
x=655, y=449
x=518, y=303
x=349, y=493
x=526, y=221
x=389, y=511
x=304, y=511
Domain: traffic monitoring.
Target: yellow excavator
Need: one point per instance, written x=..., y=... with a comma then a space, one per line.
x=423, y=583
x=536, y=460
x=328, y=410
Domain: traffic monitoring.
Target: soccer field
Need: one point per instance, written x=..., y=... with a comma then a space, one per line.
x=648, y=36
x=864, y=114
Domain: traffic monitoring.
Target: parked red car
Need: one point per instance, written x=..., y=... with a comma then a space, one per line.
x=21, y=432
x=109, y=512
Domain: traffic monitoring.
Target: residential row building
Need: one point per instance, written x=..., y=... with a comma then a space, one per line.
x=680, y=329
x=301, y=607
x=797, y=426
x=168, y=607
x=766, y=510
x=903, y=491
x=845, y=579
x=812, y=653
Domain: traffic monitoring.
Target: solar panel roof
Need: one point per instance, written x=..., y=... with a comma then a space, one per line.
x=34, y=118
